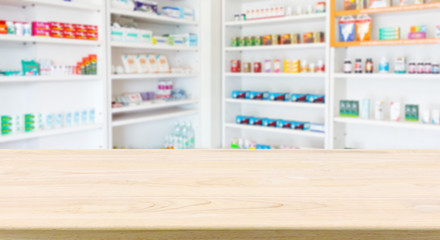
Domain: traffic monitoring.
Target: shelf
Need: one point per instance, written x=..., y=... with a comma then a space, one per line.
x=382, y=123
x=275, y=130
x=140, y=16
x=40, y=79
x=152, y=47
x=277, y=75
x=47, y=40
x=415, y=7
x=152, y=76
x=388, y=43
x=277, y=47
x=131, y=119
x=288, y=19
x=153, y=106
x=277, y=103
x=53, y=3
x=47, y=133
x=387, y=76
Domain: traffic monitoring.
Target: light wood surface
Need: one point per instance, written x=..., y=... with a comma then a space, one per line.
x=367, y=192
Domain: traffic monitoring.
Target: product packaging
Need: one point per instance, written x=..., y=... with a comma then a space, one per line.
x=242, y=120
x=235, y=66
x=300, y=125
x=400, y=65
x=395, y=111
x=30, y=68
x=129, y=62
x=279, y=96
x=308, y=37
x=426, y=116
x=317, y=127
x=436, y=116
x=162, y=63
x=268, y=66
x=257, y=67
x=379, y=110
x=412, y=113
x=247, y=67
x=268, y=122
x=255, y=95
x=239, y=94
x=315, y=98
x=363, y=27
x=347, y=26
x=378, y=3
x=384, y=65
x=349, y=108
x=365, y=109
x=256, y=121
x=437, y=31
x=284, y=124
x=295, y=97
x=277, y=66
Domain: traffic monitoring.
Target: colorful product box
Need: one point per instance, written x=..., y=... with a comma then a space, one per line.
x=279, y=96
x=300, y=125
x=56, y=33
x=92, y=36
x=242, y=120
x=3, y=27
x=91, y=28
x=298, y=97
x=68, y=35
x=68, y=27
x=268, y=122
x=80, y=28
x=412, y=113
x=256, y=121
x=239, y=94
x=349, y=108
x=284, y=124
x=56, y=26
x=313, y=98
x=257, y=95
x=80, y=36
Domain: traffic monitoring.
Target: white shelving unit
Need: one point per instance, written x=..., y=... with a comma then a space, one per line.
x=147, y=126
x=418, y=89
x=274, y=82
x=54, y=94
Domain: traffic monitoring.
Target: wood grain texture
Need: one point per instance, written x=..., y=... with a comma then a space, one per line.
x=286, y=192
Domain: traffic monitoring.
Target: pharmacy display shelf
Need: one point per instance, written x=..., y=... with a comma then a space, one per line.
x=131, y=119
x=276, y=75
x=48, y=40
x=55, y=79
x=120, y=77
x=149, y=18
x=48, y=133
x=393, y=9
x=276, y=47
x=376, y=43
x=383, y=123
x=388, y=76
x=274, y=130
x=276, y=20
x=53, y=3
x=153, y=106
x=153, y=47
x=277, y=103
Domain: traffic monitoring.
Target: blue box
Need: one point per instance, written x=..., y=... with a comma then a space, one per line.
x=297, y=97
x=239, y=94
x=300, y=125
x=279, y=96
x=313, y=98
x=284, y=124
x=256, y=121
x=242, y=120
x=267, y=122
x=257, y=95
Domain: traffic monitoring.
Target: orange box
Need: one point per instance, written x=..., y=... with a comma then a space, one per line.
x=56, y=26
x=68, y=34
x=3, y=27
x=285, y=39
x=308, y=37
x=68, y=27
x=56, y=33
x=92, y=36
x=79, y=28
x=80, y=35
x=91, y=28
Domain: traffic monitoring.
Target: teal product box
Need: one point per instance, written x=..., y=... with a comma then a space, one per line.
x=284, y=124
x=268, y=122
x=59, y=120
x=300, y=125
x=49, y=121
x=256, y=121
x=92, y=116
x=365, y=109
x=295, y=97
x=412, y=113
x=242, y=120
x=68, y=119
x=76, y=118
x=348, y=108
x=84, y=117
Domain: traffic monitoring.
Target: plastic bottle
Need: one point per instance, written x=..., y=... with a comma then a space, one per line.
x=185, y=137
x=177, y=130
x=384, y=65
x=191, y=135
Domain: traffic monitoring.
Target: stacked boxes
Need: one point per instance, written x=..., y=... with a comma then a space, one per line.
x=417, y=32
x=65, y=30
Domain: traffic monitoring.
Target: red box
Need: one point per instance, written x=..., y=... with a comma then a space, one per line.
x=40, y=26
x=92, y=36
x=79, y=28
x=40, y=32
x=68, y=27
x=257, y=67
x=56, y=33
x=235, y=66
x=91, y=28
x=56, y=26
x=3, y=27
x=68, y=34
x=80, y=35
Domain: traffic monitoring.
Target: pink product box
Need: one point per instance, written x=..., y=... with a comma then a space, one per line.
x=417, y=35
x=41, y=25
x=40, y=33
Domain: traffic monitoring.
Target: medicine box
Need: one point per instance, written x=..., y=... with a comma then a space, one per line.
x=349, y=108
x=412, y=113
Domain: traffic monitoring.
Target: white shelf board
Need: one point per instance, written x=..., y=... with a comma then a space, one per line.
x=383, y=123
x=153, y=106
x=152, y=76
x=276, y=75
x=275, y=130
x=387, y=76
x=39, y=79
x=288, y=19
x=277, y=103
x=140, y=16
x=276, y=47
x=126, y=120
x=47, y=40
x=47, y=133
x=54, y=3
x=152, y=47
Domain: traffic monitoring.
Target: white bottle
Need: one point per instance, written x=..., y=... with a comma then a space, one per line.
x=176, y=131
x=185, y=138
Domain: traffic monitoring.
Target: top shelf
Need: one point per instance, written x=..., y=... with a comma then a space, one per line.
x=152, y=18
x=300, y=18
x=63, y=4
x=414, y=7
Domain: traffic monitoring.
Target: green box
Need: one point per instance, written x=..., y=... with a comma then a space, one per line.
x=412, y=113
x=6, y=118
x=349, y=108
x=6, y=131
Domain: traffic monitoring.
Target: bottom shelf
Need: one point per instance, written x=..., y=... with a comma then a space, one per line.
x=48, y=133
x=137, y=118
x=383, y=123
x=276, y=130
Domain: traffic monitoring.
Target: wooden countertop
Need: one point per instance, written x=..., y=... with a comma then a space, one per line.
x=215, y=190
